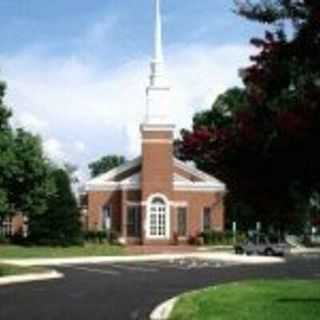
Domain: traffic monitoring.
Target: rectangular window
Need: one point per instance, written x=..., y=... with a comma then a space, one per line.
x=207, y=219
x=182, y=221
x=134, y=221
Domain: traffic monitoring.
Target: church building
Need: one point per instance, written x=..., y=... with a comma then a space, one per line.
x=156, y=198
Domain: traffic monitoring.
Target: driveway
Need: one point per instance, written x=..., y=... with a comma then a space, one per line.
x=131, y=291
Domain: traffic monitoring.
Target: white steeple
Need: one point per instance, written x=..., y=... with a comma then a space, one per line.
x=158, y=90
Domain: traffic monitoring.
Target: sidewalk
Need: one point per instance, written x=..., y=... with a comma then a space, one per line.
x=212, y=256
x=171, y=249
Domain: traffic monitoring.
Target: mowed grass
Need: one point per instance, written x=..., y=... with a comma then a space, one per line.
x=253, y=300
x=88, y=250
x=9, y=270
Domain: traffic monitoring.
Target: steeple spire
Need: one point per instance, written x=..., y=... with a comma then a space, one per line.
x=157, y=64
x=158, y=50
x=158, y=90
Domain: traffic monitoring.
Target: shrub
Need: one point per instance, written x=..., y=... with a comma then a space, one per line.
x=3, y=239
x=221, y=238
x=196, y=239
x=96, y=236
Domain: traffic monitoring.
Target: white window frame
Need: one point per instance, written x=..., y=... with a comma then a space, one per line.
x=167, y=217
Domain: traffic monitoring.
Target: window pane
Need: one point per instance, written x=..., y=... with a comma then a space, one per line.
x=207, y=219
x=158, y=201
x=133, y=221
x=158, y=218
x=182, y=222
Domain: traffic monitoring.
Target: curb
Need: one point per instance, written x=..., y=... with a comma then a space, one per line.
x=221, y=257
x=163, y=311
x=50, y=275
x=297, y=251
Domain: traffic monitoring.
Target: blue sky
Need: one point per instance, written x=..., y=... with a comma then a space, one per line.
x=58, y=23
x=76, y=70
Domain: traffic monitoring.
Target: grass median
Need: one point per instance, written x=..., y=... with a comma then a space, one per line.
x=87, y=250
x=254, y=300
x=10, y=270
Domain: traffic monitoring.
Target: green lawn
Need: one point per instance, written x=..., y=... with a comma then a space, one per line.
x=12, y=252
x=253, y=300
x=8, y=270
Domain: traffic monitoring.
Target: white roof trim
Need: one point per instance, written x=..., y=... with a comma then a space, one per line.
x=196, y=172
x=104, y=182
x=179, y=178
x=103, y=178
x=199, y=187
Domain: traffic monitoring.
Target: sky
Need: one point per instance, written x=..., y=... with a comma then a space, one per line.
x=77, y=70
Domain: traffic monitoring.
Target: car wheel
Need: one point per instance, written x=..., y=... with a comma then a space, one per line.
x=269, y=252
x=239, y=251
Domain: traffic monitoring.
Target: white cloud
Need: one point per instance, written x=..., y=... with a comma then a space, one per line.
x=31, y=122
x=80, y=146
x=86, y=111
x=54, y=150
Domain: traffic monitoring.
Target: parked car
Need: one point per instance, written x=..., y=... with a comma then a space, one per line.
x=262, y=244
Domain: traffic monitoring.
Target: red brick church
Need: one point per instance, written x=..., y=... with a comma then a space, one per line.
x=156, y=198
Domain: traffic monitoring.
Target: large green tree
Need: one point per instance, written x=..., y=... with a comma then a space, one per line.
x=105, y=164
x=6, y=153
x=265, y=148
x=60, y=223
x=30, y=184
x=25, y=182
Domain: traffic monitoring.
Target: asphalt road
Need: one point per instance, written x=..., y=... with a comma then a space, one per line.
x=131, y=291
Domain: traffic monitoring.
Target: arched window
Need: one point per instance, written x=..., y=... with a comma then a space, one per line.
x=158, y=218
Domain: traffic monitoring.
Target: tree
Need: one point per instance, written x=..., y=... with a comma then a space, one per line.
x=265, y=148
x=25, y=183
x=105, y=164
x=6, y=153
x=60, y=224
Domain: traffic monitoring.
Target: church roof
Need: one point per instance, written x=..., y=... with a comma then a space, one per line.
x=128, y=176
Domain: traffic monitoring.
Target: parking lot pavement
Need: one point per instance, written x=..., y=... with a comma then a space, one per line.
x=116, y=269
x=130, y=291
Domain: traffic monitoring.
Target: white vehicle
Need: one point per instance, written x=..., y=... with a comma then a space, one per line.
x=261, y=244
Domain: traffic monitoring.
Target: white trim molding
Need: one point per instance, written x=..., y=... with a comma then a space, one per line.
x=159, y=141
x=196, y=172
x=108, y=176
x=178, y=204
x=157, y=127
x=104, y=182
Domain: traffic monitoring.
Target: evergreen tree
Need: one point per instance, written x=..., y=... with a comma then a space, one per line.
x=105, y=164
x=6, y=153
x=25, y=183
x=60, y=224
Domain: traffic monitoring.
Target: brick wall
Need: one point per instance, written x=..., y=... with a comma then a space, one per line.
x=157, y=163
x=96, y=201
x=196, y=201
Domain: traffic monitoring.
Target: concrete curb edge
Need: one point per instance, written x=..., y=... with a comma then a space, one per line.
x=223, y=257
x=31, y=277
x=163, y=311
